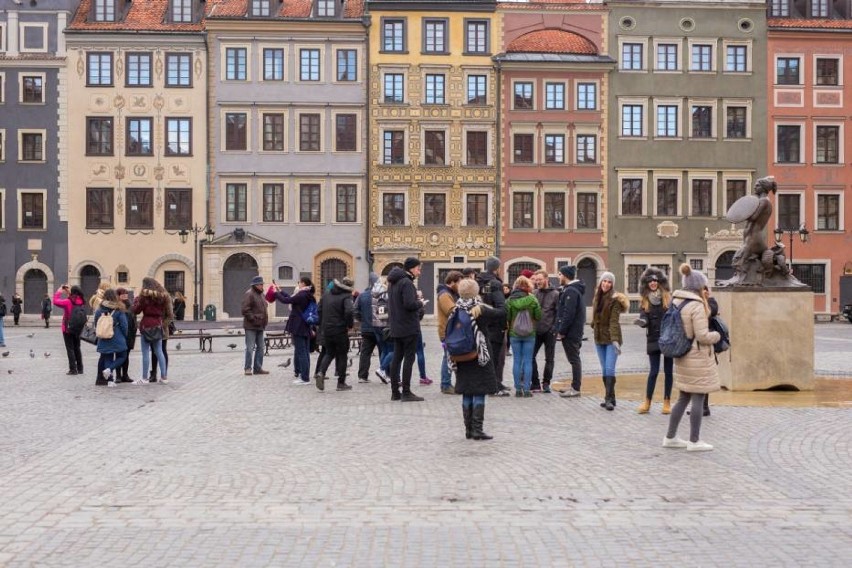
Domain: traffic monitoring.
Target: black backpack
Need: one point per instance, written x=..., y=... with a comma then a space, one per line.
x=77, y=321
x=673, y=341
x=718, y=325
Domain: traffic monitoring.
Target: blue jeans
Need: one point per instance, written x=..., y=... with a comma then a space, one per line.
x=470, y=400
x=2, y=333
x=608, y=356
x=157, y=346
x=302, y=356
x=421, y=356
x=446, y=377
x=112, y=361
x=522, y=353
x=385, y=352
x=254, y=341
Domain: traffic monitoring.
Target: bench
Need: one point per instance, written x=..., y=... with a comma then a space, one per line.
x=283, y=340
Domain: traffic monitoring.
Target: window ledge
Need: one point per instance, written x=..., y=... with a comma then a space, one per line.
x=394, y=52
x=789, y=164
x=32, y=162
x=668, y=138
x=693, y=139
x=588, y=231
x=830, y=231
x=638, y=138
x=702, y=72
x=829, y=164
x=737, y=140
x=668, y=71
x=476, y=53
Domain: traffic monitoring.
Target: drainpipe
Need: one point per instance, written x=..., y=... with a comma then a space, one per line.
x=498, y=161
x=368, y=254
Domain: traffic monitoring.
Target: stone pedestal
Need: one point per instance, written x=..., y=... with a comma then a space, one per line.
x=772, y=338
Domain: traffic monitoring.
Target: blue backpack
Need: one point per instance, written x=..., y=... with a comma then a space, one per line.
x=459, y=338
x=311, y=314
x=673, y=340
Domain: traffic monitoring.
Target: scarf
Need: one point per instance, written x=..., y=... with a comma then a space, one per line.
x=483, y=357
x=656, y=298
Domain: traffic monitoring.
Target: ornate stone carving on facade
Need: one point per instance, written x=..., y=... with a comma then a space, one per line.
x=159, y=172
x=158, y=64
x=119, y=102
x=179, y=171
x=667, y=230
x=119, y=202
x=139, y=102
x=158, y=202
x=99, y=103
x=99, y=170
x=139, y=171
x=159, y=102
x=199, y=67
x=119, y=65
x=119, y=171
x=81, y=64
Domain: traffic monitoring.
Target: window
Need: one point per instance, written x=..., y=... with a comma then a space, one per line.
x=523, y=144
x=273, y=132
x=99, y=69
x=477, y=90
x=236, y=202
x=811, y=274
x=182, y=10
x=631, y=56
x=789, y=144
x=476, y=36
x=138, y=70
x=32, y=147
x=787, y=71
x=736, y=125
x=394, y=91
x=736, y=59
x=827, y=71
x=139, y=137
x=554, y=149
x=325, y=8
x=394, y=147
x=236, y=63
x=554, y=96
x=827, y=144
x=434, y=209
x=99, y=208
x=522, y=210
x=434, y=36
x=819, y=8
x=587, y=96
x=667, y=121
x=734, y=189
x=178, y=209
x=140, y=208
x=33, y=37
x=2, y=83
x=587, y=210
x=434, y=89
x=434, y=148
x=554, y=210
x=393, y=35
x=393, y=209
x=309, y=203
x=32, y=88
x=780, y=8
x=667, y=57
x=346, y=133
x=32, y=210
x=477, y=148
x=178, y=70
x=347, y=203
x=273, y=64
x=104, y=10
x=178, y=137
x=789, y=211
x=587, y=149
x=309, y=64
x=477, y=209
x=631, y=120
x=702, y=121
x=236, y=134
x=523, y=96
x=285, y=273
x=667, y=197
x=828, y=212
x=347, y=64
x=702, y=57
x=634, y=273
x=273, y=203
x=702, y=197
x=309, y=133
x=260, y=7
x=173, y=281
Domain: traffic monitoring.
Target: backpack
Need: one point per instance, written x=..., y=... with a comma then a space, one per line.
x=380, y=310
x=718, y=325
x=2, y=309
x=104, y=328
x=523, y=325
x=311, y=314
x=77, y=320
x=459, y=338
x=673, y=341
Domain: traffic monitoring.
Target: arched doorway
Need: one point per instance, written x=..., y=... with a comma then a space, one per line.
x=724, y=266
x=518, y=267
x=238, y=271
x=390, y=266
x=587, y=272
x=331, y=269
x=90, y=279
x=35, y=287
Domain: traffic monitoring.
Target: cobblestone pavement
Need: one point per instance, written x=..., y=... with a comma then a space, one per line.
x=220, y=469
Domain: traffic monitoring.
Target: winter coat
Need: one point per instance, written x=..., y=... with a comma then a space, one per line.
x=571, y=311
x=517, y=302
x=2, y=307
x=16, y=305
x=605, y=321
x=471, y=378
x=298, y=302
x=179, y=307
x=154, y=306
x=379, y=293
x=67, y=304
x=46, y=308
x=255, y=316
x=548, y=299
x=491, y=293
x=118, y=342
x=653, y=318
x=364, y=310
x=403, y=304
x=336, y=312
x=446, y=302
x=696, y=371
x=131, y=326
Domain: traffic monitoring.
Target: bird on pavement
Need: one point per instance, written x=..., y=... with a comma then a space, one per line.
x=5, y=354
x=46, y=354
x=285, y=364
x=32, y=354
x=177, y=346
x=232, y=345
x=31, y=335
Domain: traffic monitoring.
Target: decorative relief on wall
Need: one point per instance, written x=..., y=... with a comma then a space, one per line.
x=119, y=171
x=178, y=104
x=829, y=98
x=119, y=65
x=138, y=103
x=199, y=67
x=159, y=172
x=158, y=64
x=139, y=171
x=667, y=230
x=119, y=201
x=100, y=171
x=81, y=65
x=119, y=102
x=159, y=102
x=99, y=103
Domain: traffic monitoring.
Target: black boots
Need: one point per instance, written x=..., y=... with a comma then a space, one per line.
x=609, y=397
x=477, y=419
x=467, y=412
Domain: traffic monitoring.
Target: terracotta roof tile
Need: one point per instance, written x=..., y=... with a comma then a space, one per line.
x=810, y=23
x=552, y=41
x=551, y=5
x=144, y=15
x=287, y=9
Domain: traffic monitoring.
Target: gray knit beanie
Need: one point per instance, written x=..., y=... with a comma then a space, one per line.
x=607, y=276
x=692, y=280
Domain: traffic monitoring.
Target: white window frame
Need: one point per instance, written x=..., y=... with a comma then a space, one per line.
x=565, y=92
x=2, y=87
x=525, y=129
x=223, y=57
x=359, y=59
x=538, y=206
x=3, y=144
x=261, y=111
x=535, y=105
x=628, y=101
x=597, y=84
x=297, y=130
x=394, y=70
x=224, y=182
x=646, y=260
x=714, y=124
x=713, y=43
x=678, y=43
x=261, y=62
x=489, y=130
x=286, y=200
x=446, y=127
x=3, y=209
x=359, y=120
x=714, y=192
x=21, y=76
x=777, y=209
x=489, y=192
x=841, y=133
x=633, y=174
x=748, y=103
x=297, y=71
x=448, y=220
x=645, y=57
x=385, y=127
x=803, y=133
x=586, y=130
x=593, y=190
x=841, y=205
x=22, y=34
x=20, y=214
x=668, y=102
x=733, y=176
x=3, y=37
x=21, y=133
x=359, y=192
x=678, y=177
x=223, y=125
x=839, y=58
x=801, y=58
x=749, y=56
x=406, y=222
x=552, y=130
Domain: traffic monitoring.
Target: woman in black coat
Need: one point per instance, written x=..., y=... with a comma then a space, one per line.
x=656, y=297
x=122, y=375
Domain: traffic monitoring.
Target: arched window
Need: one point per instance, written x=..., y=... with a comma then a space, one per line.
x=518, y=267
x=331, y=269
x=390, y=266
x=724, y=266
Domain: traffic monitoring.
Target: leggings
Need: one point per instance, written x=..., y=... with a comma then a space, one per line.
x=471, y=400
x=668, y=366
x=694, y=416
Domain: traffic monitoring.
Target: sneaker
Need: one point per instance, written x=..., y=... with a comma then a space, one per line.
x=301, y=382
x=164, y=380
x=105, y=374
x=141, y=382
x=410, y=397
x=527, y=394
x=261, y=372
x=448, y=390
x=344, y=387
x=111, y=383
x=425, y=381
x=319, y=379
x=363, y=380
x=674, y=443
x=570, y=393
x=248, y=372
x=518, y=394
x=382, y=376
x=546, y=389
x=503, y=392
x=698, y=446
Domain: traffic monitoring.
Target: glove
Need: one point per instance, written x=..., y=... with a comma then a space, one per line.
x=641, y=322
x=476, y=311
x=617, y=346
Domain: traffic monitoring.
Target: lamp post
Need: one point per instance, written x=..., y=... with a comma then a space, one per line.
x=208, y=233
x=804, y=236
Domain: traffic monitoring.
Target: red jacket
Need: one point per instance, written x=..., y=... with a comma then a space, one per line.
x=154, y=307
x=67, y=304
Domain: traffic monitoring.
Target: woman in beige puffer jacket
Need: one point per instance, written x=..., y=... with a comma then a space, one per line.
x=695, y=373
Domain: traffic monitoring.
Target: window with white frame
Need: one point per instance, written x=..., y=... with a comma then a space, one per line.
x=667, y=57
x=178, y=136
x=236, y=202
x=587, y=210
x=33, y=37
x=273, y=131
x=701, y=57
x=2, y=37
x=827, y=70
x=736, y=58
x=668, y=197
x=820, y=8
x=347, y=65
x=632, y=120
x=31, y=145
x=32, y=88
x=554, y=96
x=435, y=147
x=310, y=203
x=104, y=10
x=236, y=63
x=310, y=132
x=273, y=202
x=31, y=209
x=2, y=88
x=632, y=56
x=737, y=121
x=788, y=141
x=702, y=121
x=587, y=96
x=828, y=211
x=236, y=131
x=554, y=148
x=789, y=211
x=827, y=144
x=325, y=8
x=787, y=70
x=554, y=209
x=178, y=70
x=632, y=198
x=587, y=152
x=394, y=87
x=435, y=85
x=523, y=150
x=346, y=203
x=393, y=147
x=477, y=89
x=309, y=64
x=523, y=99
x=273, y=64
x=98, y=69
x=701, y=197
x=182, y=10
x=345, y=132
x=667, y=122
x=476, y=148
x=2, y=208
x=260, y=7
x=2, y=145
x=523, y=210
x=393, y=209
x=779, y=8
x=734, y=189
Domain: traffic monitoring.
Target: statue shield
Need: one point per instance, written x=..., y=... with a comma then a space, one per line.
x=742, y=209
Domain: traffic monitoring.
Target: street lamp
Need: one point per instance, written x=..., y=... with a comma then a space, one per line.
x=804, y=236
x=208, y=233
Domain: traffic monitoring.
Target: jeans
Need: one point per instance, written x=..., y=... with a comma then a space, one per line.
x=404, y=353
x=522, y=353
x=112, y=361
x=302, y=356
x=548, y=340
x=572, y=353
x=254, y=341
x=668, y=365
x=421, y=356
x=471, y=400
x=156, y=362
x=72, y=349
x=608, y=356
x=385, y=352
x=368, y=345
x=446, y=376
x=2, y=333
x=336, y=349
x=157, y=346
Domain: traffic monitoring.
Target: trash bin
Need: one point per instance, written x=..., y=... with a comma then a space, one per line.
x=210, y=312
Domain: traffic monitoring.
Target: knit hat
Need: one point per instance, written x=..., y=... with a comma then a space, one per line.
x=492, y=263
x=607, y=276
x=569, y=271
x=257, y=280
x=411, y=262
x=527, y=273
x=693, y=280
x=346, y=284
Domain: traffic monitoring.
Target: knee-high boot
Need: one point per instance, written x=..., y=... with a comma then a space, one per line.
x=467, y=412
x=609, y=401
x=606, y=391
x=478, y=418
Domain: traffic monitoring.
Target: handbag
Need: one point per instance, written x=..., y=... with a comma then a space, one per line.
x=89, y=335
x=152, y=334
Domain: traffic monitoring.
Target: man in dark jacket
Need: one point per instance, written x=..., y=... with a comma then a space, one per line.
x=570, y=319
x=545, y=334
x=336, y=319
x=404, y=320
x=364, y=315
x=491, y=293
x=255, y=319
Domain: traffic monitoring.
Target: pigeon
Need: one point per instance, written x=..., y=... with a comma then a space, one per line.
x=231, y=332
x=9, y=371
x=285, y=364
x=177, y=346
x=46, y=354
x=32, y=354
x=232, y=345
x=5, y=354
x=31, y=335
